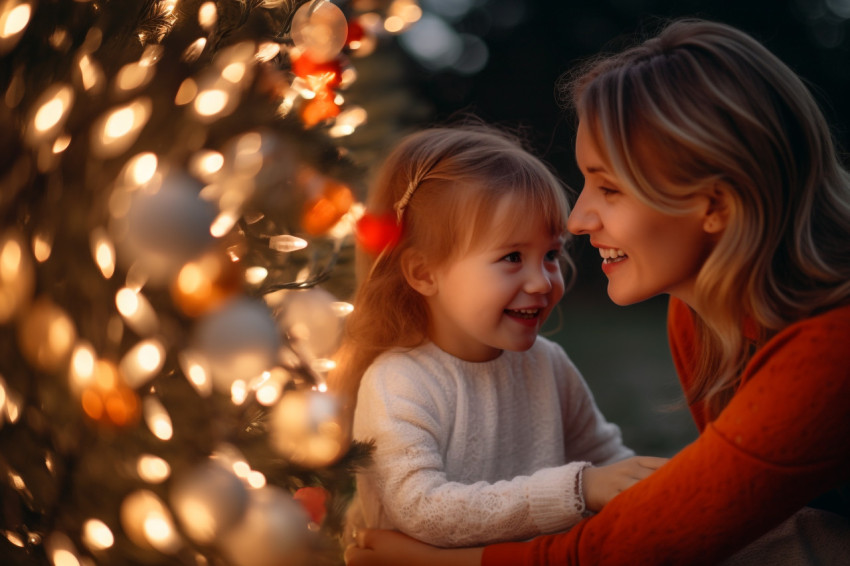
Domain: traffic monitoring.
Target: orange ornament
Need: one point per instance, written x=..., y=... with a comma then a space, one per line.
x=109, y=401
x=205, y=283
x=320, y=214
x=319, y=109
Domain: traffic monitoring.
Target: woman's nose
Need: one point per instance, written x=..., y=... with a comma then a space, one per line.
x=583, y=219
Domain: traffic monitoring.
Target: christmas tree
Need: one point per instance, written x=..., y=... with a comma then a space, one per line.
x=179, y=187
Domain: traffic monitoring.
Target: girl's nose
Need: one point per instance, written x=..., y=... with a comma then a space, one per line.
x=539, y=280
x=583, y=219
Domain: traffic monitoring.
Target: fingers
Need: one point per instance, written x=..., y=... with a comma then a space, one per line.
x=353, y=555
x=357, y=552
x=651, y=462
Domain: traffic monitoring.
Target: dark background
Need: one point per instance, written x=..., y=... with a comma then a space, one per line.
x=622, y=351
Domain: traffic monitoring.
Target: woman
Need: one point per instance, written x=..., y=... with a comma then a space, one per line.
x=710, y=175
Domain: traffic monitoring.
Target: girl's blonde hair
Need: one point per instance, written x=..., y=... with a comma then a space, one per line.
x=707, y=103
x=454, y=178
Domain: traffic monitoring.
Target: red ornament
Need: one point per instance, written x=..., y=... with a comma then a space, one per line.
x=355, y=33
x=327, y=74
x=314, y=501
x=375, y=233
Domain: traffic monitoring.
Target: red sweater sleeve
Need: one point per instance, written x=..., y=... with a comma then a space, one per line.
x=780, y=442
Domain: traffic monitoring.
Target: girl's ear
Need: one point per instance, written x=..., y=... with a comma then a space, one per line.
x=719, y=208
x=418, y=273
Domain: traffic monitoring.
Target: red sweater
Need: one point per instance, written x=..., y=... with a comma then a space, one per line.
x=783, y=440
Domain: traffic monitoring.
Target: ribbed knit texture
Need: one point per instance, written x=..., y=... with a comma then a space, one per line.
x=470, y=453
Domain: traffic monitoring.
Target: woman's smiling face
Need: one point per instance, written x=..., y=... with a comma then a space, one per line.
x=645, y=252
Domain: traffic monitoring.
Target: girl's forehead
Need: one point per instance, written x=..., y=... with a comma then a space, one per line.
x=516, y=220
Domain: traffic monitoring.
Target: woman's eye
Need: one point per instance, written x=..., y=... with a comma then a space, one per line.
x=513, y=257
x=607, y=191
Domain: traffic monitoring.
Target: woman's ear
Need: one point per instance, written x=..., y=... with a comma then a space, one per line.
x=719, y=208
x=418, y=272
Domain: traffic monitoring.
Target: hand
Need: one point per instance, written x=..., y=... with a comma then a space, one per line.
x=391, y=548
x=604, y=483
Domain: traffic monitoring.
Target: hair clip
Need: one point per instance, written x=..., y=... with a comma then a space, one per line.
x=401, y=204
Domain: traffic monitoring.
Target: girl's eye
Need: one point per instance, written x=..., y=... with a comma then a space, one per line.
x=608, y=191
x=553, y=255
x=513, y=257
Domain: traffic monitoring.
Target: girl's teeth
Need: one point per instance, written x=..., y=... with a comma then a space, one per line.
x=525, y=313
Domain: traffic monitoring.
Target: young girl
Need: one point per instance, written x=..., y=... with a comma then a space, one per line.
x=710, y=175
x=483, y=430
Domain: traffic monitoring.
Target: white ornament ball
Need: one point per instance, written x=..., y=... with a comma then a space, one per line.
x=208, y=500
x=165, y=226
x=307, y=428
x=320, y=29
x=308, y=317
x=238, y=341
x=273, y=531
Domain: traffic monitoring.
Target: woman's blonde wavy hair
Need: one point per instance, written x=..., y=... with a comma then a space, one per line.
x=460, y=175
x=711, y=104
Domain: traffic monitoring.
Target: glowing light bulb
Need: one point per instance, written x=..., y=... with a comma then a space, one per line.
x=61, y=144
x=223, y=223
x=287, y=243
x=195, y=50
x=141, y=168
x=132, y=76
x=15, y=20
x=51, y=112
x=341, y=308
x=103, y=252
x=268, y=51
x=97, y=535
x=82, y=368
x=256, y=274
x=211, y=102
x=256, y=479
x=136, y=311
x=157, y=418
x=117, y=130
x=142, y=362
x=234, y=72
x=148, y=523
x=205, y=164
x=91, y=74
x=186, y=93
x=207, y=15
x=152, y=469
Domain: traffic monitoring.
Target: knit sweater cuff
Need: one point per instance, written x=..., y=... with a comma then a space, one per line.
x=557, y=499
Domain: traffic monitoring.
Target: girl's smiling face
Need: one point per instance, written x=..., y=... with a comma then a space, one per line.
x=497, y=295
x=645, y=252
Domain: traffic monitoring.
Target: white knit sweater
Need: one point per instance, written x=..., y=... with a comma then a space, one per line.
x=472, y=453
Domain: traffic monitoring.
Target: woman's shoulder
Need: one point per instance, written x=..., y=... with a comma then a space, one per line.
x=825, y=333
x=834, y=319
